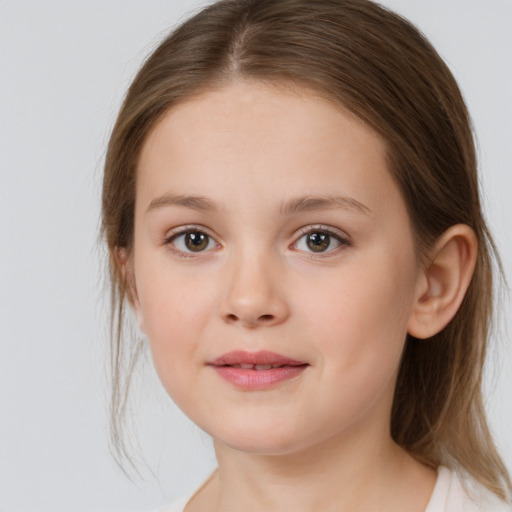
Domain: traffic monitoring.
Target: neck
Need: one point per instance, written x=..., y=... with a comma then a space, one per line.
x=342, y=475
x=309, y=480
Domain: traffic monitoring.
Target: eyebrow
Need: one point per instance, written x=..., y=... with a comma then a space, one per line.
x=292, y=207
x=313, y=203
x=199, y=203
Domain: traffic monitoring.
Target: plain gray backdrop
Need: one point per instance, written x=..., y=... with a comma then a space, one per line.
x=64, y=67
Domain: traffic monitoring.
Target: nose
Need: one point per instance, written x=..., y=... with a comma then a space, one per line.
x=254, y=296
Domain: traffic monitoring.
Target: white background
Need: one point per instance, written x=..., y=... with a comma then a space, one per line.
x=64, y=66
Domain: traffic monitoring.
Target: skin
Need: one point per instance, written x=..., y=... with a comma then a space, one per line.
x=319, y=441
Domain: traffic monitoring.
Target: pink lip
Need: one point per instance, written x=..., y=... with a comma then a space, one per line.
x=283, y=368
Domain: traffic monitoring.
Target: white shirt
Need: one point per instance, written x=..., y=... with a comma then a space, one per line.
x=451, y=493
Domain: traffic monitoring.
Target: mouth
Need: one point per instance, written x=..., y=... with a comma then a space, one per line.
x=257, y=370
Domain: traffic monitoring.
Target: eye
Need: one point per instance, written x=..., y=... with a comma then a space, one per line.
x=320, y=241
x=191, y=241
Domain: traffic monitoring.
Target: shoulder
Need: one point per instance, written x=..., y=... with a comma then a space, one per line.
x=180, y=504
x=176, y=506
x=455, y=492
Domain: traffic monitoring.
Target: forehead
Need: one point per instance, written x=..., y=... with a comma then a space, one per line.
x=249, y=140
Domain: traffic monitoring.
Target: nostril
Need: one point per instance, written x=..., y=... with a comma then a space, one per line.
x=262, y=318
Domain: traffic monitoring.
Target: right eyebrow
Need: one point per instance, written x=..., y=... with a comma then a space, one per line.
x=199, y=203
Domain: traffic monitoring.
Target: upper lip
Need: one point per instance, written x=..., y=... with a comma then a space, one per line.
x=262, y=357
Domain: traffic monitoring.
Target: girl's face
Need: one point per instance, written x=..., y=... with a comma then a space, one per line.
x=267, y=221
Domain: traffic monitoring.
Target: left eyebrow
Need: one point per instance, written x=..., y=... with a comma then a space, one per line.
x=313, y=203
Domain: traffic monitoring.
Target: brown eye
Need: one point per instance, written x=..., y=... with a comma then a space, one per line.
x=196, y=241
x=318, y=242
x=191, y=241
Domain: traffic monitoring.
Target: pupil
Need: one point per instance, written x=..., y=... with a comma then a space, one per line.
x=318, y=242
x=196, y=241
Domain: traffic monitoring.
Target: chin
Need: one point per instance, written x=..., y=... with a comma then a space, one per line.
x=270, y=440
x=264, y=447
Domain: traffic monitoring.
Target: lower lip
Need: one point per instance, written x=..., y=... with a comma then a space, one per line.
x=256, y=380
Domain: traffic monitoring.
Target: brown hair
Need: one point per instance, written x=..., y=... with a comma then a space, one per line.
x=375, y=63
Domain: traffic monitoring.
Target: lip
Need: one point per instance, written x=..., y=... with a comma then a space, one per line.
x=268, y=369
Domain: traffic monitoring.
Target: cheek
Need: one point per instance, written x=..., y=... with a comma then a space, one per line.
x=360, y=328
x=361, y=316
x=175, y=310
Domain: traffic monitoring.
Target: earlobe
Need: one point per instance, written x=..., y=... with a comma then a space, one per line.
x=124, y=262
x=444, y=281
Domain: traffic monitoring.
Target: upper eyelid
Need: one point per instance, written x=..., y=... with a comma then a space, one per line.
x=181, y=230
x=305, y=229
x=342, y=238
x=342, y=235
x=173, y=234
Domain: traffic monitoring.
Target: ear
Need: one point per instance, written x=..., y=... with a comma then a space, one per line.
x=124, y=262
x=444, y=281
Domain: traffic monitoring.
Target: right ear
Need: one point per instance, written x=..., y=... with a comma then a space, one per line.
x=124, y=262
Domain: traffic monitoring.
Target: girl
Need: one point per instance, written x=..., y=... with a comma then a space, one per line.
x=291, y=208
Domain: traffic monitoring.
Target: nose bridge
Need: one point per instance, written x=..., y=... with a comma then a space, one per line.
x=254, y=294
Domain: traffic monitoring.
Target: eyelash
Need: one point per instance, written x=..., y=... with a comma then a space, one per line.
x=343, y=241
x=169, y=241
